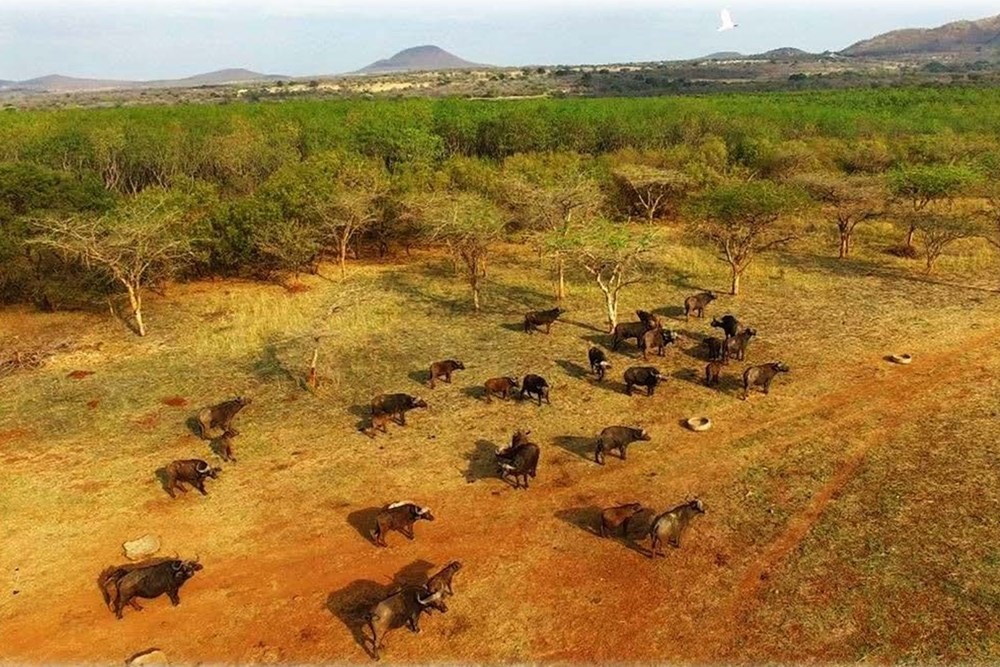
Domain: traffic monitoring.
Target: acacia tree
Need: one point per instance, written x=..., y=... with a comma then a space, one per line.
x=649, y=190
x=145, y=240
x=926, y=185
x=850, y=201
x=744, y=220
x=470, y=225
x=937, y=231
x=337, y=194
x=613, y=255
x=552, y=193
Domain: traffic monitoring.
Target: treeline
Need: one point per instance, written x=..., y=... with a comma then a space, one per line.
x=265, y=189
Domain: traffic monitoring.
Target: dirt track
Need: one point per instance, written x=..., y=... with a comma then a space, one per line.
x=537, y=583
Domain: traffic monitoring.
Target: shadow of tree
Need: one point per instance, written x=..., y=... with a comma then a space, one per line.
x=482, y=462
x=575, y=444
x=270, y=367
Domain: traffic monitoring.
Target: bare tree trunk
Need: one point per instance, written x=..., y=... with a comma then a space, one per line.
x=135, y=300
x=474, y=283
x=312, y=380
x=845, y=244
x=735, y=286
x=611, y=303
x=343, y=256
x=909, y=236
x=561, y=288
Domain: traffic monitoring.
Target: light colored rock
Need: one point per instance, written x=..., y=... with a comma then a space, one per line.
x=144, y=547
x=151, y=656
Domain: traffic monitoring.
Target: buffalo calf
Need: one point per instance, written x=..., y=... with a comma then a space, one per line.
x=713, y=373
x=444, y=369
x=613, y=517
x=503, y=387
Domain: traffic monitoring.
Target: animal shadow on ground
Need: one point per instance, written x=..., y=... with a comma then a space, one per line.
x=193, y=425
x=482, y=462
x=217, y=447
x=476, y=391
x=587, y=518
x=516, y=326
x=364, y=415
x=575, y=444
x=598, y=340
x=161, y=477
x=675, y=312
x=363, y=521
x=689, y=375
x=423, y=377
x=353, y=602
x=583, y=325
x=573, y=369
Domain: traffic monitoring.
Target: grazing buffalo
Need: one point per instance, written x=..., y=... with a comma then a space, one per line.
x=729, y=324
x=400, y=608
x=617, y=437
x=444, y=369
x=220, y=416
x=518, y=461
x=501, y=386
x=441, y=583
x=656, y=339
x=670, y=525
x=613, y=517
x=400, y=517
x=713, y=373
x=598, y=362
x=541, y=318
x=188, y=471
x=642, y=376
x=395, y=406
x=737, y=345
x=121, y=585
x=761, y=376
x=626, y=331
x=695, y=305
x=715, y=348
x=535, y=385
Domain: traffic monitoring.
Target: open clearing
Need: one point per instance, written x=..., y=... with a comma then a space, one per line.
x=852, y=514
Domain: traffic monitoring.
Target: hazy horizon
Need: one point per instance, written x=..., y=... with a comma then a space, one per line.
x=166, y=39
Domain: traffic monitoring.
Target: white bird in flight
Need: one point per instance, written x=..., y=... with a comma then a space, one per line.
x=727, y=21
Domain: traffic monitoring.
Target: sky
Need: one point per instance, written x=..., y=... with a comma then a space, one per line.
x=158, y=39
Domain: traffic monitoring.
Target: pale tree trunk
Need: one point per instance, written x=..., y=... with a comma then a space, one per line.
x=135, y=300
x=845, y=244
x=909, y=236
x=611, y=303
x=312, y=380
x=344, y=242
x=735, y=285
x=561, y=287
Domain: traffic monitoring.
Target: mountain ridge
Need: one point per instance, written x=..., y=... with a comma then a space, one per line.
x=954, y=37
x=424, y=58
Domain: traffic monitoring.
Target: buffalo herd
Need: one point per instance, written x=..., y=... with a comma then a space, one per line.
x=515, y=464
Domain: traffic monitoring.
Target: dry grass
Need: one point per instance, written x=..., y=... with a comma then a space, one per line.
x=77, y=459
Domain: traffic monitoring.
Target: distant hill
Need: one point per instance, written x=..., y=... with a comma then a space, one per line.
x=723, y=55
x=957, y=37
x=786, y=53
x=57, y=83
x=418, y=59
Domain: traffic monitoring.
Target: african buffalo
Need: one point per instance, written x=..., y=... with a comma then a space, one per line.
x=617, y=437
x=501, y=386
x=188, y=471
x=643, y=376
x=396, y=406
x=613, y=517
x=541, y=318
x=729, y=324
x=444, y=369
x=121, y=585
x=761, y=376
x=519, y=461
x=537, y=386
x=671, y=525
x=220, y=416
x=737, y=345
x=598, y=362
x=399, y=516
x=696, y=304
x=400, y=608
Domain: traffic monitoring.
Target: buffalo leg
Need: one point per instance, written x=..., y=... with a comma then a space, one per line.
x=407, y=531
x=201, y=487
x=622, y=450
x=625, y=528
x=134, y=604
x=175, y=598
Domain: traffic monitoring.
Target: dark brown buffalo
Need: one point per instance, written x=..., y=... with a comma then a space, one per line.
x=649, y=319
x=537, y=386
x=188, y=471
x=761, y=376
x=541, y=318
x=220, y=416
x=400, y=517
x=396, y=406
x=670, y=525
x=613, y=517
x=714, y=346
x=617, y=437
x=695, y=305
x=729, y=324
x=626, y=331
x=598, y=362
x=503, y=387
x=400, y=608
x=224, y=445
x=121, y=585
x=519, y=461
x=737, y=345
x=444, y=369
x=656, y=339
x=643, y=376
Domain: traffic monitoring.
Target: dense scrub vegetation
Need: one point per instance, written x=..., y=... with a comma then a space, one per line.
x=266, y=189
